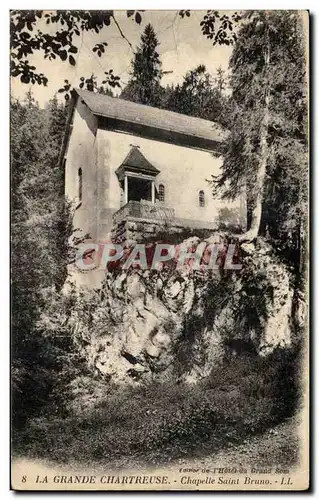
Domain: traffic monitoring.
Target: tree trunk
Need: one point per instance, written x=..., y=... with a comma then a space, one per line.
x=252, y=233
x=260, y=179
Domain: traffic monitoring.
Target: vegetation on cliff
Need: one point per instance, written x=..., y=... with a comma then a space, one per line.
x=185, y=348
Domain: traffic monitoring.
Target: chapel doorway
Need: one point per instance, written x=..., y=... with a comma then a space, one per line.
x=139, y=189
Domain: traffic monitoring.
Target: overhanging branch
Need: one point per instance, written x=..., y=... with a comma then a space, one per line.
x=122, y=34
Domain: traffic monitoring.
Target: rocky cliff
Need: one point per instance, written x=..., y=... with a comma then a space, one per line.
x=178, y=324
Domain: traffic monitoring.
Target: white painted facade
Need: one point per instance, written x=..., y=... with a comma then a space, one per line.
x=184, y=172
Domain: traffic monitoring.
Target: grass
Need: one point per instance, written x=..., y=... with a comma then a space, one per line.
x=244, y=397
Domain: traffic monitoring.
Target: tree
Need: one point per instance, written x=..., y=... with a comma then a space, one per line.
x=40, y=226
x=27, y=38
x=269, y=109
x=221, y=80
x=199, y=96
x=144, y=85
x=259, y=36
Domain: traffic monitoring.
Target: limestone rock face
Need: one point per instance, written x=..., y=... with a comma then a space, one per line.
x=180, y=324
x=277, y=293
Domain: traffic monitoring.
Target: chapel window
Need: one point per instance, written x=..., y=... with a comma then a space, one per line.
x=161, y=192
x=80, y=185
x=201, y=198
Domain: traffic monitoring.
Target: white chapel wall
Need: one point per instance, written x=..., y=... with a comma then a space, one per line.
x=82, y=153
x=183, y=171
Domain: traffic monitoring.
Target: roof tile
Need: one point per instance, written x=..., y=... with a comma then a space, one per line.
x=137, y=161
x=112, y=107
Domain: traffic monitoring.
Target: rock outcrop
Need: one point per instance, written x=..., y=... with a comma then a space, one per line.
x=178, y=324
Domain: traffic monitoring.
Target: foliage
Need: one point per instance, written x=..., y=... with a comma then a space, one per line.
x=92, y=85
x=199, y=96
x=40, y=227
x=49, y=368
x=285, y=184
x=160, y=421
x=27, y=38
x=144, y=85
x=220, y=28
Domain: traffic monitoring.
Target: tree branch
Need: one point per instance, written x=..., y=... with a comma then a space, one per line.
x=122, y=34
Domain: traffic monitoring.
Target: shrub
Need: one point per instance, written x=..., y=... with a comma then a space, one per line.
x=167, y=420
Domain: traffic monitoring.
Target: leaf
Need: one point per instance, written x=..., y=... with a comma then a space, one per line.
x=25, y=78
x=72, y=60
x=138, y=18
x=63, y=55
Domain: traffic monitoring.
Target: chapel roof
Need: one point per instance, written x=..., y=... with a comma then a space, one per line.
x=136, y=161
x=125, y=111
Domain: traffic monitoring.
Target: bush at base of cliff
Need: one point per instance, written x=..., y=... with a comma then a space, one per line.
x=160, y=421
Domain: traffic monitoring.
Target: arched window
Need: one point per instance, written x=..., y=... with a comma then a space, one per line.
x=201, y=198
x=161, y=192
x=80, y=184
